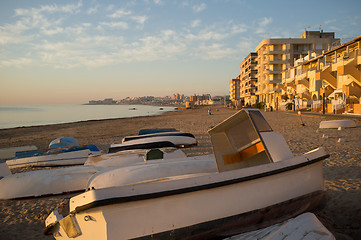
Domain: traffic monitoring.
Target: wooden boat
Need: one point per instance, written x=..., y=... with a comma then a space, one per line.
x=258, y=183
x=128, y=157
x=179, y=139
x=338, y=124
x=65, y=156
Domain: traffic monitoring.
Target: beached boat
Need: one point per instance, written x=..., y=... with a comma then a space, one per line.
x=258, y=183
x=343, y=123
x=156, y=130
x=179, y=139
x=61, y=152
x=137, y=146
x=128, y=157
x=46, y=182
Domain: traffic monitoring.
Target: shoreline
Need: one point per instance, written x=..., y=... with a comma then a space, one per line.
x=24, y=219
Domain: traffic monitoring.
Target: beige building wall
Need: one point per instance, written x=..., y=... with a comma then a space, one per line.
x=277, y=55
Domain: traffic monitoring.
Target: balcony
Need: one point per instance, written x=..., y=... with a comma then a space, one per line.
x=304, y=82
x=326, y=75
x=277, y=61
x=271, y=52
x=350, y=70
x=268, y=71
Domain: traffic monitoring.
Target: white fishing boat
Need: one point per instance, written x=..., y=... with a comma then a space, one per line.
x=179, y=139
x=153, y=171
x=74, y=155
x=45, y=182
x=342, y=123
x=138, y=146
x=258, y=183
x=128, y=157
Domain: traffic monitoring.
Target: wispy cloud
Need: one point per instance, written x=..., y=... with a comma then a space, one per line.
x=195, y=23
x=119, y=13
x=262, y=24
x=199, y=8
x=47, y=39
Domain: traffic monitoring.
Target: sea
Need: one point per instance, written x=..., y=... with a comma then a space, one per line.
x=12, y=116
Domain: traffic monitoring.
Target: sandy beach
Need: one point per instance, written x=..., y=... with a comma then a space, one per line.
x=24, y=219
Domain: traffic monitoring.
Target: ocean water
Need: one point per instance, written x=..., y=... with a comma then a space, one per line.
x=12, y=116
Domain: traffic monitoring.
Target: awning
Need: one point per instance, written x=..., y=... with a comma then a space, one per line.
x=333, y=94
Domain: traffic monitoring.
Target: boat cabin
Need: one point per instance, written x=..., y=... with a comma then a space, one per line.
x=245, y=140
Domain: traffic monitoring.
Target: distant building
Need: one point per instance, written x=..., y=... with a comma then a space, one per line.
x=248, y=80
x=234, y=91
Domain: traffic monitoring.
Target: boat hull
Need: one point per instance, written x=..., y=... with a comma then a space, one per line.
x=60, y=159
x=215, y=210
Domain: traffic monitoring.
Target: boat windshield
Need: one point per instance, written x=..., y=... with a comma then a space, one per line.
x=260, y=123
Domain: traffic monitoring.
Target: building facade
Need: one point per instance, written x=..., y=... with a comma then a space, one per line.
x=234, y=91
x=248, y=80
x=277, y=55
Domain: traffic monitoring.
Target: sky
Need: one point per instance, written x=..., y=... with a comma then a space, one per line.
x=70, y=52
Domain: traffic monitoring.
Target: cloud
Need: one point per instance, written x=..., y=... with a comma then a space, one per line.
x=19, y=62
x=265, y=21
x=68, y=8
x=199, y=8
x=214, y=51
x=195, y=23
x=122, y=25
x=119, y=13
x=262, y=24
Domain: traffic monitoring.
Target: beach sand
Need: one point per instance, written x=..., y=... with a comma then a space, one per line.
x=24, y=219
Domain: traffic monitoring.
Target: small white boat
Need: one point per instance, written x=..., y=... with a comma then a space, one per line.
x=258, y=183
x=46, y=182
x=338, y=124
x=153, y=171
x=303, y=227
x=156, y=130
x=65, y=156
x=179, y=139
x=137, y=146
x=129, y=157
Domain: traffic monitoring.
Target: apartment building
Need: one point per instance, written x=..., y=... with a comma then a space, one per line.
x=329, y=82
x=234, y=91
x=276, y=55
x=248, y=80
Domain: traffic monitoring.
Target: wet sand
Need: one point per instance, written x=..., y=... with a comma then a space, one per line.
x=24, y=219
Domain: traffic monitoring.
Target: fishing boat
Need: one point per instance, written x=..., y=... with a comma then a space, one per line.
x=179, y=139
x=156, y=130
x=65, y=156
x=137, y=146
x=72, y=179
x=258, y=182
x=48, y=182
x=128, y=157
x=45, y=182
x=62, y=151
